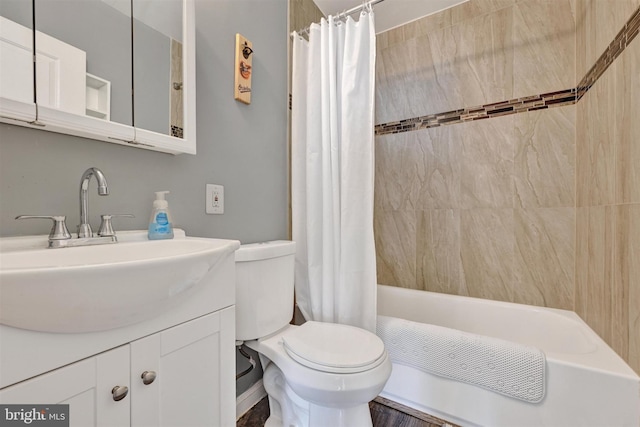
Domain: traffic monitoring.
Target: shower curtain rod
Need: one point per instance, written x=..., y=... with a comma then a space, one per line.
x=345, y=13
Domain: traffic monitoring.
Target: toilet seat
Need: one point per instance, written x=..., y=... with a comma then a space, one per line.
x=334, y=348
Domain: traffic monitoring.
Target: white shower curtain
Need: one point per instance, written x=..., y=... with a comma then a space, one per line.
x=332, y=171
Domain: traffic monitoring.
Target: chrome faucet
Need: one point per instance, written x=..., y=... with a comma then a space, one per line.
x=59, y=236
x=84, y=229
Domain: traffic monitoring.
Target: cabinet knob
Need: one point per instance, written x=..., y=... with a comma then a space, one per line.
x=148, y=377
x=119, y=392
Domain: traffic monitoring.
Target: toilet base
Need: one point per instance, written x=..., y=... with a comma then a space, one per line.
x=290, y=410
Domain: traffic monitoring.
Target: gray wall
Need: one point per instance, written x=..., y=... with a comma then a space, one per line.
x=242, y=147
x=18, y=11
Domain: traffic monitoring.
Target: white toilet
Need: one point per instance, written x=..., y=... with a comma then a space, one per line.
x=316, y=374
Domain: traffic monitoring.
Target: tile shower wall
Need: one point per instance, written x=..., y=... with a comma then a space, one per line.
x=302, y=13
x=479, y=52
x=484, y=208
x=490, y=208
x=607, y=293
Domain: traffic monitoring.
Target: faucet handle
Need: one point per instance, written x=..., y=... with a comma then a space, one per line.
x=59, y=230
x=106, y=229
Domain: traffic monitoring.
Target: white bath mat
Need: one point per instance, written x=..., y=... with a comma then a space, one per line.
x=501, y=366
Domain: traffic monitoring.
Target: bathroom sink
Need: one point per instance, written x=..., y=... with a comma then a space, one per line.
x=96, y=288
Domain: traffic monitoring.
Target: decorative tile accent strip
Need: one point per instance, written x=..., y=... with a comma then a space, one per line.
x=497, y=109
x=615, y=48
x=528, y=103
x=176, y=131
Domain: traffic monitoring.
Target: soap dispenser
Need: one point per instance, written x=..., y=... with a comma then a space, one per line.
x=160, y=224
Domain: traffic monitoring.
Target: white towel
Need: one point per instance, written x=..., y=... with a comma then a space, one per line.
x=501, y=366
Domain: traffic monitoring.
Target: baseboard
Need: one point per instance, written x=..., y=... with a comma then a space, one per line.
x=249, y=398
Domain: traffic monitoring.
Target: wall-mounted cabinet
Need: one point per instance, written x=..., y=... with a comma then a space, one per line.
x=17, y=97
x=120, y=71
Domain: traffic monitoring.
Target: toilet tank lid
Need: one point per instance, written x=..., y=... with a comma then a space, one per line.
x=265, y=250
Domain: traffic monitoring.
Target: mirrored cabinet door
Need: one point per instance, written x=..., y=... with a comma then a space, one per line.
x=157, y=66
x=83, y=58
x=91, y=79
x=16, y=60
x=164, y=73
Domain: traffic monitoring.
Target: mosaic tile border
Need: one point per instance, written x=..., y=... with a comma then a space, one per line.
x=528, y=103
x=615, y=48
x=497, y=109
x=177, y=131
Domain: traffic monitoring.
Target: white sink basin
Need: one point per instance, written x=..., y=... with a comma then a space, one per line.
x=95, y=288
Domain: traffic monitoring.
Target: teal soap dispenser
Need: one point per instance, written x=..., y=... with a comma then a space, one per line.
x=160, y=224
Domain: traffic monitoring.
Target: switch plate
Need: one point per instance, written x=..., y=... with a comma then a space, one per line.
x=215, y=199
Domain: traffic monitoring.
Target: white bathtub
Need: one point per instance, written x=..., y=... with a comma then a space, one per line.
x=587, y=383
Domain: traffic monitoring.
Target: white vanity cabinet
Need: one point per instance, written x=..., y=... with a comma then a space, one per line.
x=164, y=308
x=191, y=362
x=85, y=386
x=193, y=386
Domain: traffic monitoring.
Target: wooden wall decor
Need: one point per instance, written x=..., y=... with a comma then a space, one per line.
x=242, y=91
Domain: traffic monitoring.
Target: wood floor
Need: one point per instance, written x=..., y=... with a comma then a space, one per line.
x=384, y=413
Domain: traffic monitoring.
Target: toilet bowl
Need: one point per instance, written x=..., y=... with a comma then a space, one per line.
x=315, y=374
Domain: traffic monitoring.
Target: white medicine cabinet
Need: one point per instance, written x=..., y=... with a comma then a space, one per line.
x=120, y=71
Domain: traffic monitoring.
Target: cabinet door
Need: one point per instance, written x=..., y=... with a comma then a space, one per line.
x=194, y=366
x=17, y=99
x=85, y=386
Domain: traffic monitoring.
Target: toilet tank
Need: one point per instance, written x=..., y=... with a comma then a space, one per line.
x=264, y=288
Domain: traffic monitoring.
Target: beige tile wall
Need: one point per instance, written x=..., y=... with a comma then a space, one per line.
x=302, y=13
x=471, y=55
x=484, y=208
x=607, y=287
x=540, y=208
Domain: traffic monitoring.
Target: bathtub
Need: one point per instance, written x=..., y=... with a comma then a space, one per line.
x=587, y=383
